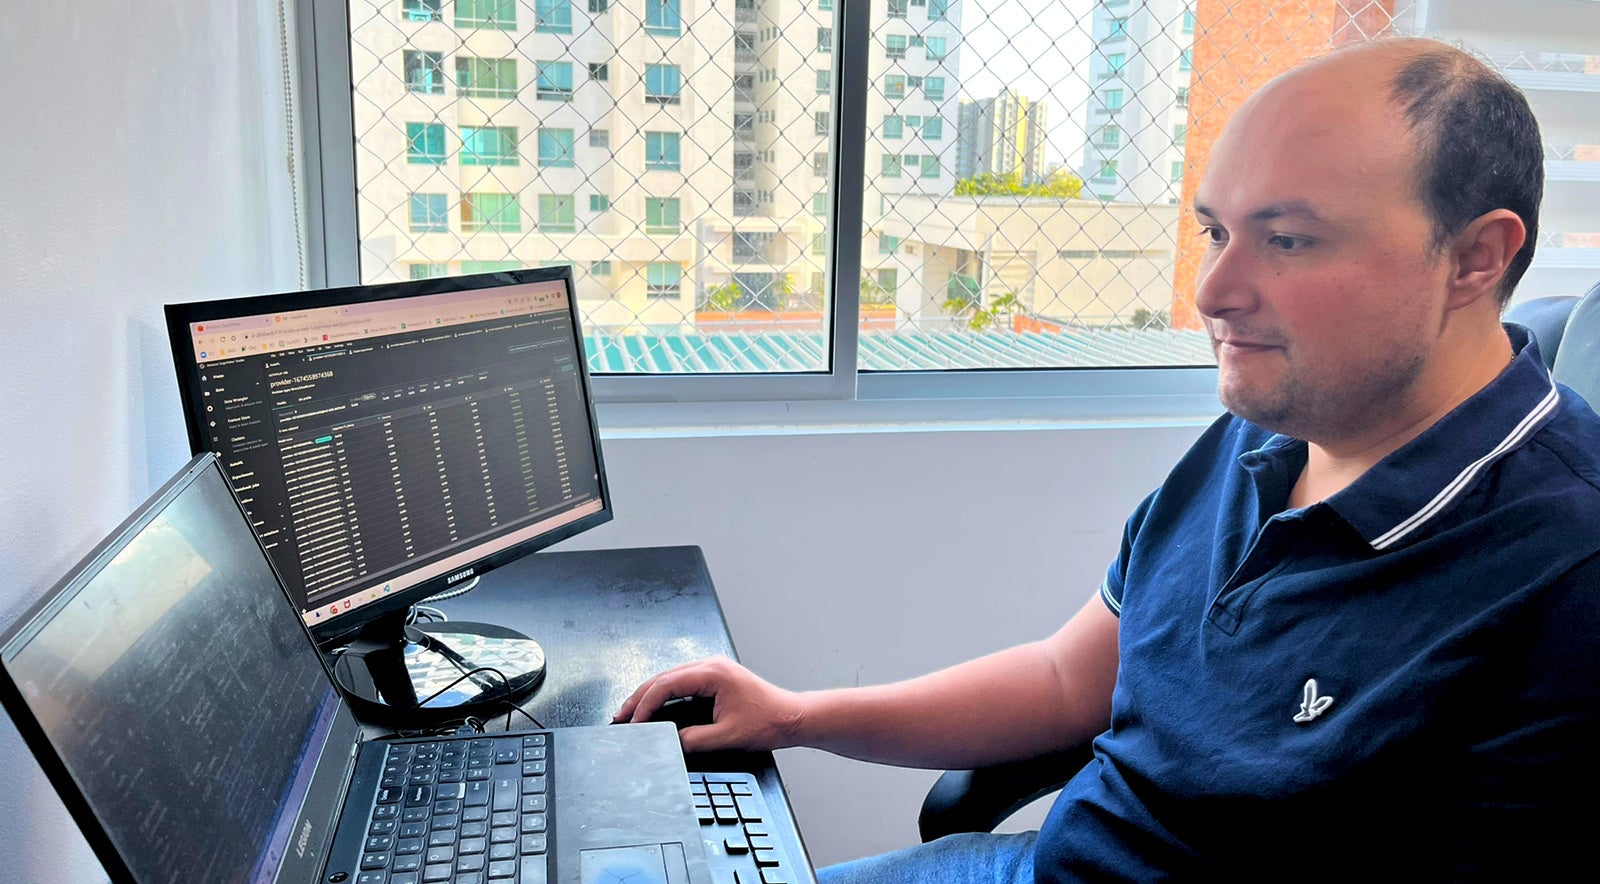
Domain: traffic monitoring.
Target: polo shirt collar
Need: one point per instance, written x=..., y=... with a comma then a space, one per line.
x=1396, y=500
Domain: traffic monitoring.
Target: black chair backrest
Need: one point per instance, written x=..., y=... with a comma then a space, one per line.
x=1547, y=319
x=1577, y=362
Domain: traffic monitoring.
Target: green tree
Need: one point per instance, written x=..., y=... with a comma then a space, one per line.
x=724, y=297
x=1144, y=317
x=872, y=292
x=1060, y=184
x=980, y=316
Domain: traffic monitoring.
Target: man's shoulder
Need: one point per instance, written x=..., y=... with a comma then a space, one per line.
x=1572, y=438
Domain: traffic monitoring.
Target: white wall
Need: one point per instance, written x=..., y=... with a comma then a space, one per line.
x=147, y=165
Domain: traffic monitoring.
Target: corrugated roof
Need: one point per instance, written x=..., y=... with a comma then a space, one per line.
x=779, y=351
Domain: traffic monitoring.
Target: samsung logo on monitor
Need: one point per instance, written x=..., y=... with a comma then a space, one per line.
x=457, y=577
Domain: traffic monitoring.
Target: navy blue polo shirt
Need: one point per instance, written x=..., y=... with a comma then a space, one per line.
x=1403, y=678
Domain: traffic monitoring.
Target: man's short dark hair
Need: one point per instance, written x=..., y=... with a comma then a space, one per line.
x=1480, y=146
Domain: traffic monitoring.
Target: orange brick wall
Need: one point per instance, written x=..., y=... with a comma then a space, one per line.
x=1239, y=45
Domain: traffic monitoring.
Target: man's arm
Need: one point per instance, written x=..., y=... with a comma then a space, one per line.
x=1014, y=704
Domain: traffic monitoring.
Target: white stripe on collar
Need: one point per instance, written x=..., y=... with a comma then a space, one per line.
x=1450, y=492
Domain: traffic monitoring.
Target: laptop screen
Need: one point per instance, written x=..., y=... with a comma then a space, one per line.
x=174, y=682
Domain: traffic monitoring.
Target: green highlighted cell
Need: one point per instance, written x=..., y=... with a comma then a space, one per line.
x=322, y=439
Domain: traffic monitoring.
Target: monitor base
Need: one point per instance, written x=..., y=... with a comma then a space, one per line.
x=423, y=681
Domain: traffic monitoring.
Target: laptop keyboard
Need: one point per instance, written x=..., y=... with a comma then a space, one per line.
x=461, y=811
x=737, y=828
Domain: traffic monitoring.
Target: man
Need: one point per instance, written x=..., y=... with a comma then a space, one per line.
x=1355, y=630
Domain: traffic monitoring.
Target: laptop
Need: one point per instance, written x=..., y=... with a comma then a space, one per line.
x=178, y=706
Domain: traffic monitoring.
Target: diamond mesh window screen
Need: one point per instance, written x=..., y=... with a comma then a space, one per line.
x=1027, y=165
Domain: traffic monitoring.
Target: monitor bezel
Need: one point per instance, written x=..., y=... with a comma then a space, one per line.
x=337, y=630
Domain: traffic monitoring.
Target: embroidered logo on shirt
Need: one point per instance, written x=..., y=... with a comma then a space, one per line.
x=1312, y=705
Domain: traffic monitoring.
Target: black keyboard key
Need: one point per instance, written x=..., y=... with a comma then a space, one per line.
x=417, y=796
x=501, y=870
x=534, y=803
x=533, y=739
x=467, y=878
x=472, y=845
x=533, y=785
x=474, y=814
x=473, y=862
x=379, y=877
x=404, y=878
x=409, y=863
x=446, y=821
x=766, y=857
x=774, y=875
x=389, y=795
x=445, y=854
x=439, y=872
x=532, y=844
x=374, y=860
x=386, y=811
x=412, y=830
x=535, y=870
x=502, y=834
x=507, y=755
x=475, y=830
x=502, y=851
x=379, y=843
x=408, y=847
x=749, y=810
x=532, y=822
x=382, y=827
x=442, y=838
x=506, y=792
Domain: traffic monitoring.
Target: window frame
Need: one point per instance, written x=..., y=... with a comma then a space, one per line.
x=841, y=392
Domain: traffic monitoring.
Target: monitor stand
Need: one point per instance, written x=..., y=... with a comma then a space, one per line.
x=415, y=675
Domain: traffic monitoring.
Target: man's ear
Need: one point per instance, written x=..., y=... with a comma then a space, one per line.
x=1481, y=252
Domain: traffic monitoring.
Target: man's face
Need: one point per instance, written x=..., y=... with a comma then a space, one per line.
x=1320, y=288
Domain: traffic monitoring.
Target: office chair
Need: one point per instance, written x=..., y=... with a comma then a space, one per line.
x=1568, y=332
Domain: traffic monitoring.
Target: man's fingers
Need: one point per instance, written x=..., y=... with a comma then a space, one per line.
x=626, y=710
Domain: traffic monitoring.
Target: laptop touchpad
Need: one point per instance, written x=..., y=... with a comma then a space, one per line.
x=643, y=864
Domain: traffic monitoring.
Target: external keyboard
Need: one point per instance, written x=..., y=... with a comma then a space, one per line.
x=735, y=821
x=464, y=812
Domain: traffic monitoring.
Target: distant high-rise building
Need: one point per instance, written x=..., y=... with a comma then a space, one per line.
x=1002, y=135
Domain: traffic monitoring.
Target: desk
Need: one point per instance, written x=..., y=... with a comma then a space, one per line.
x=609, y=619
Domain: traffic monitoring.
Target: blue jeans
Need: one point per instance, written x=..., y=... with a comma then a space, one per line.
x=955, y=859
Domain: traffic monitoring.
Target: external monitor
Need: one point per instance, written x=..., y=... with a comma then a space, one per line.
x=392, y=443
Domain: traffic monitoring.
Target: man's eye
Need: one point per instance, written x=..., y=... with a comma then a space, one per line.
x=1213, y=233
x=1285, y=243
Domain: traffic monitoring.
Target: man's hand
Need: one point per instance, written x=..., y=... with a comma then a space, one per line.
x=748, y=713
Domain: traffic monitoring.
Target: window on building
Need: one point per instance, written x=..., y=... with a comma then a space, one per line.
x=898, y=8
x=751, y=246
x=888, y=245
x=744, y=125
x=662, y=18
x=1183, y=96
x=1180, y=134
x=819, y=244
x=938, y=10
x=663, y=279
x=824, y=81
x=422, y=10
x=555, y=148
x=891, y=166
x=496, y=14
x=894, y=86
x=600, y=138
x=930, y=166
x=820, y=121
x=824, y=39
x=600, y=268
x=424, y=72
x=895, y=45
x=1188, y=21
x=428, y=213
x=486, y=77
x=889, y=279
x=1112, y=99
x=661, y=215
x=932, y=128
x=599, y=202
x=555, y=81
x=935, y=47
x=558, y=213
x=819, y=204
x=1119, y=29
x=662, y=151
x=425, y=143
x=933, y=88
x=1111, y=134
x=426, y=270
x=599, y=7
x=819, y=164
x=663, y=84
x=1108, y=170
x=489, y=145
x=1115, y=62
x=1177, y=170
x=1186, y=60
x=599, y=71
x=550, y=16
x=490, y=212
x=893, y=127
x=490, y=266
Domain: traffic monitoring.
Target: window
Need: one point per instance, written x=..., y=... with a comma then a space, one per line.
x=889, y=279
x=819, y=244
x=557, y=213
x=891, y=166
x=935, y=47
x=930, y=166
x=663, y=279
x=599, y=7
x=663, y=84
x=1188, y=21
x=489, y=266
x=661, y=151
x=896, y=46
x=937, y=9
x=662, y=19
x=424, y=72
x=555, y=81
x=486, y=77
x=1111, y=134
x=1183, y=96
x=819, y=164
x=599, y=202
x=490, y=211
x=488, y=145
x=897, y=8
x=744, y=125
x=820, y=120
x=1108, y=170
x=498, y=14
x=894, y=86
x=600, y=138
x=932, y=128
x=824, y=81
x=1112, y=98
x=819, y=204
x=661, y=215
x=1119, y=29
x=421, y=10
x=428, y=213
x=933, y=88
x=426, y=270
x=599, y=72
x=555, y=148
x=893, y=127
x=751, y=246
x=1180, y=134
x=1186, y=60
x=551, y=16
x=600, y=268
x=1115, y=62
x=824, y=39
x=1177, y=171
x=888, y=245
x=425, y=143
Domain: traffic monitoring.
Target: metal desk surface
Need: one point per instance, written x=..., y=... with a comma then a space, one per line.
x=609, y=619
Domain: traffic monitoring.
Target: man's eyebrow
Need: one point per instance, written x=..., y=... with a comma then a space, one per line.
x=1294, y=208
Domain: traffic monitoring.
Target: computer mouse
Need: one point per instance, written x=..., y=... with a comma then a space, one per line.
x=685, y=711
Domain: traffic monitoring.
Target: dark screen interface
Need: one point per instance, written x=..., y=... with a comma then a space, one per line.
x=379, y=444
x=182, y=695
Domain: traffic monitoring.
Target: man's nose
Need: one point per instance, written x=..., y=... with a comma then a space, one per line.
x=1225, y=282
